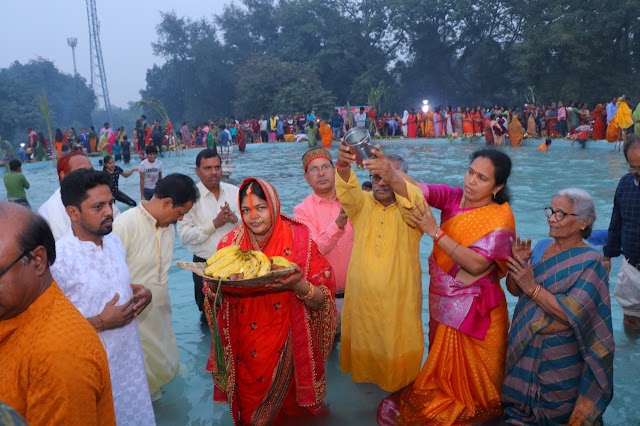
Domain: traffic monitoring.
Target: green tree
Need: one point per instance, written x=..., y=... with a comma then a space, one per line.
x=270, y=85
x=70, y=99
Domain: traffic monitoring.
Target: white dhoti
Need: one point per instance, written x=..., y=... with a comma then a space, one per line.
x=627, y=292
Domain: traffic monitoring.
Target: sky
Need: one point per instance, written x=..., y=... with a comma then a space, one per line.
x=40, y=28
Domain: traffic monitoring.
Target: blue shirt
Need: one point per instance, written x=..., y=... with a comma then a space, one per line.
x=624, y=228
x=225, y=138
x=336, y=121
x=611, y=111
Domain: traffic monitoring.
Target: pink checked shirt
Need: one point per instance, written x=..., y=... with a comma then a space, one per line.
x=320, y=216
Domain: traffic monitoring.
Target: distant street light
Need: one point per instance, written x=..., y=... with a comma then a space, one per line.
x=425, y=106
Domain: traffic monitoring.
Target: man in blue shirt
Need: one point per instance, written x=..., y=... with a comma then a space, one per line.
x=336, y=124
x=612, y=108
x=624, y=236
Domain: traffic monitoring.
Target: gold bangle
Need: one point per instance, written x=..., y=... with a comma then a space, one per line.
x=536, y=291
x=309, y=295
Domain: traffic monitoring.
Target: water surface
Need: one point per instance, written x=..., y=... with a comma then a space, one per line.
x=536, y=177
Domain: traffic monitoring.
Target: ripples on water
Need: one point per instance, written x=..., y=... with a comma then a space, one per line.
x=535, y=178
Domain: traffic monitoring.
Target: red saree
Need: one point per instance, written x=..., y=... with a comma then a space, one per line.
x=275, y=346
x=599, y=123
x=412, y=126
x=477, y=122
x=467, y=123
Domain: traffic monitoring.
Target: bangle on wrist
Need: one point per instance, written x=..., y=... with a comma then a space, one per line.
x=435, y=235
x=536, y=291
x=309, y=295
x=442, y=234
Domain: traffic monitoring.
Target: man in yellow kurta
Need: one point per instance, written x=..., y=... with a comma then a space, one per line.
x=382, y=337
x=148, y=236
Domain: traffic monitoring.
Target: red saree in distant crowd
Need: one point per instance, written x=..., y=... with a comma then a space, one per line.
x=275, y=347
x=477, y=122
x=412, y=125
x=462, y=378
x=599, y=123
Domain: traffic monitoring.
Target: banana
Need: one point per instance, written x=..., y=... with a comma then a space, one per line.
x=265, y=263
x=225, y=262
x=232, y=268
x=253, y=265
x=281, y=261
x=222, y=253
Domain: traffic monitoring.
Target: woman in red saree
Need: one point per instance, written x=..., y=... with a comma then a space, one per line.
x=476, y=117
x=599, y=123
x=462, y=378
x=276, y=338
x=241, y=140
x=412, y=124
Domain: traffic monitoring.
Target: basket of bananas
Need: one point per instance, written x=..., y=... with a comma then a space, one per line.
x=233, y=267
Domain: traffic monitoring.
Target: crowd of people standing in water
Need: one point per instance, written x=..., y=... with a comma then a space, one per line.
x=274, y=340
x=610, y=121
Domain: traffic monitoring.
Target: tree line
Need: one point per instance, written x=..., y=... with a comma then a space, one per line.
x=262, y=56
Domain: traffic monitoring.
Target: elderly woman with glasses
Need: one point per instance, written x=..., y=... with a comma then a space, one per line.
x=560, y=356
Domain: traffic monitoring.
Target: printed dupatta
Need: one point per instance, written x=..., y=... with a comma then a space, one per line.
x=579, y=282
x=467, y=308
x=310, y=335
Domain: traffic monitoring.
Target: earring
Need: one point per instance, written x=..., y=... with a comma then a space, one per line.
x=494, y=195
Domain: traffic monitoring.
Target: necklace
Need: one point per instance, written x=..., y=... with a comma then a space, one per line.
x=544, y=255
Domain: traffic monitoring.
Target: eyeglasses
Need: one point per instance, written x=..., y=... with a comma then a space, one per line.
x=315, y=169
x=559, y=214
x=27, y=253
x=375, y=178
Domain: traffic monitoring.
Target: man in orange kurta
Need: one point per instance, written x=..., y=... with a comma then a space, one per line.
x=54, y=369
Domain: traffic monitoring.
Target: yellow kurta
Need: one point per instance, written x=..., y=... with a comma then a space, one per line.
x=382, y=337
x=149, y=256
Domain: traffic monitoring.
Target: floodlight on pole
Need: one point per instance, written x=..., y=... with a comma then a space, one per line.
x=425, y=106
x=72, y=42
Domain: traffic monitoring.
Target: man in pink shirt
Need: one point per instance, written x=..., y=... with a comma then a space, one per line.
x=322, y=213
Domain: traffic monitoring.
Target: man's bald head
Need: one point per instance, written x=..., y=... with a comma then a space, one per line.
x=72, y=162
x=27, y=249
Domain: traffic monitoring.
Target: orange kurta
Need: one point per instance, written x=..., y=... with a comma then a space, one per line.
x=54, y=368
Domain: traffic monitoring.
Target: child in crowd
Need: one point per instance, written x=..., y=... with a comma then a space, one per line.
x=150, y=173
x=367, y=186
x=117, y=150
x=544, y=146
x=581, y=134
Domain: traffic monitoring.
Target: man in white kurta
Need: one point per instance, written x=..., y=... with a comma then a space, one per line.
x=90, y=276
x=91, y=270
x=149, y=251
x=213, y=216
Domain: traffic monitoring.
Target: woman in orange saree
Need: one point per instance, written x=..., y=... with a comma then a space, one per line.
x=516, y=133
x=467, y=122
x=462, y=378
x=276, y=338
x=428, y=131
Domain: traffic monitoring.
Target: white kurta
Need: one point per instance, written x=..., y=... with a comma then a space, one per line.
x=196, y=230
x=90, y=275
x=149, y=251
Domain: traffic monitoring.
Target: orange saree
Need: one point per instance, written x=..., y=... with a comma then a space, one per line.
x=275, y=347
x=462, y=378
x=427, y=123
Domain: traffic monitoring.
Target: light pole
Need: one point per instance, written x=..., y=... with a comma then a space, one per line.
x=73, y=42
